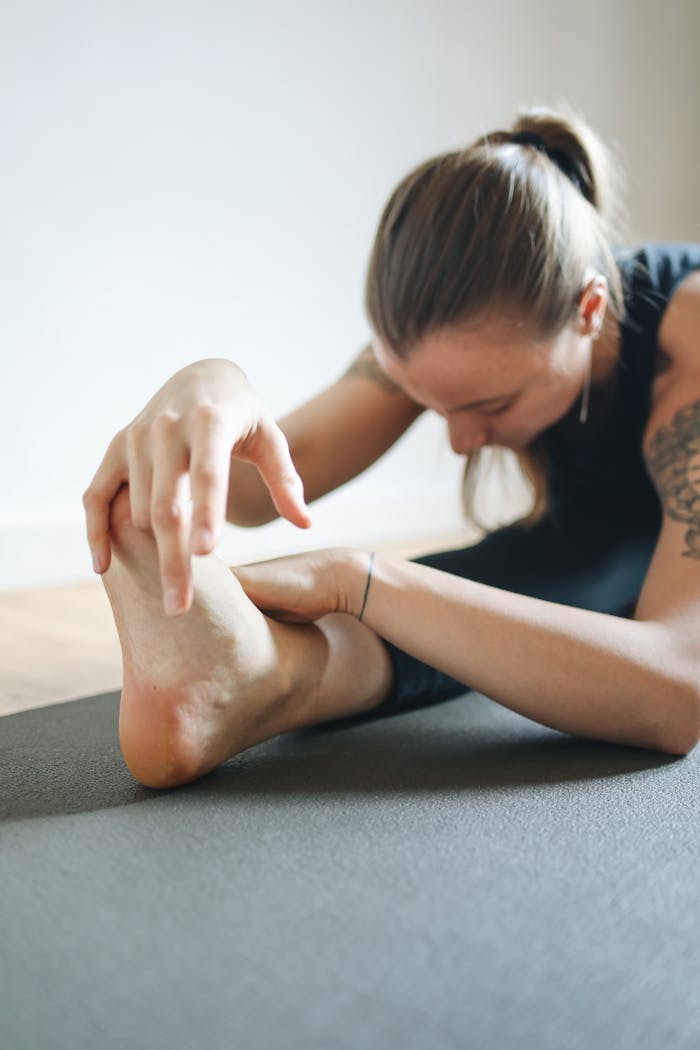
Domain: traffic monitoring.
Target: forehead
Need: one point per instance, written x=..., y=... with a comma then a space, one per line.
x=468, y=364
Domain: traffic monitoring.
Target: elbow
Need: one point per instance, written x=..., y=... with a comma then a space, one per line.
x=676, y=695
x=681, y=734
x=680, y=749
x=682, y=744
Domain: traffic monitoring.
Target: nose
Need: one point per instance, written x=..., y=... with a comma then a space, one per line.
x=466, y=436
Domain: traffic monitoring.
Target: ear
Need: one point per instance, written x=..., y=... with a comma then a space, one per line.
x=592, y=304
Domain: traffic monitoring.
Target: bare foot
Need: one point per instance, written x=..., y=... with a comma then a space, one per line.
x=200, y=687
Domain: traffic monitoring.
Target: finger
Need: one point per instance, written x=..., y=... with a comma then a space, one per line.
x=209, y=475
x=108, y=479
x=138, y=448
x=276, y=466
x=170, y=517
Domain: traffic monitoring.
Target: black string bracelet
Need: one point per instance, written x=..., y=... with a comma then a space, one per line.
x=369, y=577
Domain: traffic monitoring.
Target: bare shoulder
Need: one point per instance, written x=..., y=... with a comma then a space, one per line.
x=679, y=332
x=678, y=372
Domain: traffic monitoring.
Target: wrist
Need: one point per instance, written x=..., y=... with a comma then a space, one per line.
x=365, y=594
x=355, y=570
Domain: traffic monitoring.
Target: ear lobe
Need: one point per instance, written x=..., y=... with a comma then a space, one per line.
x=593, y=303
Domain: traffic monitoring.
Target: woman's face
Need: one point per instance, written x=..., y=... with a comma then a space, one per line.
x=492, y=384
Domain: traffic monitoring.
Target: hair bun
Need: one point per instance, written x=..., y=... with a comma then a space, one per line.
x=563, y=160
x=574, y=148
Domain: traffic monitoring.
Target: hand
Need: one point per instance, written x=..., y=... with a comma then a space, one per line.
x=304, y=587
x=189, y=430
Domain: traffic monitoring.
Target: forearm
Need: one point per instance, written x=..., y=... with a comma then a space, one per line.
x=578, y=671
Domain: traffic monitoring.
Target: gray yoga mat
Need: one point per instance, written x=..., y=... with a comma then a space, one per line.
x=451, y=877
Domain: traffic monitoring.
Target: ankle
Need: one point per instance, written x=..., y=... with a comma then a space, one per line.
x=301, y=656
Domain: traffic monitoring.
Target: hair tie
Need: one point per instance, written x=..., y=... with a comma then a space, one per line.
x=567, y=166
x=529, y=138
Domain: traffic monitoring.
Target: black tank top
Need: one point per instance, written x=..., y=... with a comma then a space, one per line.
x=598, y=466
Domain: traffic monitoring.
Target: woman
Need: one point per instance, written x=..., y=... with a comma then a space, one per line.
x=495, y=300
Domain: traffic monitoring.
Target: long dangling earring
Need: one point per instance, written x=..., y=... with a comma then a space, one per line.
x=583, y=416
x=587, y=390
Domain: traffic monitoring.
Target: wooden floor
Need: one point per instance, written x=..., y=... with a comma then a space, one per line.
x=61, y=644
x=56, y=644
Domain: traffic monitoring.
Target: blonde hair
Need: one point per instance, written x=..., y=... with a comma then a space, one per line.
x=507, y=226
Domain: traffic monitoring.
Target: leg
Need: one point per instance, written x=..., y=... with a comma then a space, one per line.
x=203, y=687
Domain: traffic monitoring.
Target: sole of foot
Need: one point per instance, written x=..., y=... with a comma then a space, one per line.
x=197, y=688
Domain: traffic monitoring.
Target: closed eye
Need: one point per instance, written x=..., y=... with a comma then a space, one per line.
x=501, y=410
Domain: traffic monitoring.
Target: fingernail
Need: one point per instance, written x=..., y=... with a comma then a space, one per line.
x=172, y=602
x=97, y=563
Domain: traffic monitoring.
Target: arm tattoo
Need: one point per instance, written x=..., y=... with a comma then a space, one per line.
x=673, y=460
x=365, y=364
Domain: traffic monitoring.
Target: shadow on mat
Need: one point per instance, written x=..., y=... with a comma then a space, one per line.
x=66, y=758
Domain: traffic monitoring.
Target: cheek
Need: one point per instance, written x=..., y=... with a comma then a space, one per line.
x=518, y=429
x=545, y=411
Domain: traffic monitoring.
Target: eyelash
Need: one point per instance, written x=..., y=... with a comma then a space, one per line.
x=500, y=411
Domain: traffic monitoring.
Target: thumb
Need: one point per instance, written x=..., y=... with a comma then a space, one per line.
x=261, y=582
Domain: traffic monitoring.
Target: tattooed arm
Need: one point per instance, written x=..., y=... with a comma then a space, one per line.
x=365, y=364
x=332, y=438
x=671, y=445
x=672, y=456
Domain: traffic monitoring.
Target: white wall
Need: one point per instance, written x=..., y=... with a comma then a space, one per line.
x=191, y=179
